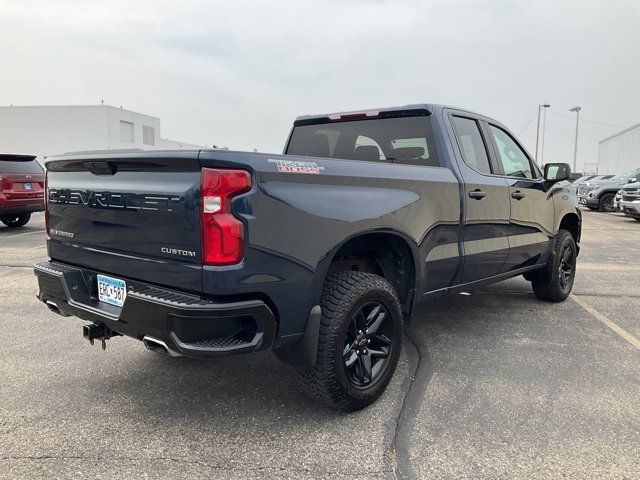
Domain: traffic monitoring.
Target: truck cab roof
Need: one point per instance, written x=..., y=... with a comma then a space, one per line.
x=404, y=110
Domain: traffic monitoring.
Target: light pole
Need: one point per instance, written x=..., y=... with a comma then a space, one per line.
x=575, y=148
x=544, y=133
x=540, y=107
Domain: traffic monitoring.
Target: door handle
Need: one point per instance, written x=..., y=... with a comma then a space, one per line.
x=477, y=194
x=518, y=195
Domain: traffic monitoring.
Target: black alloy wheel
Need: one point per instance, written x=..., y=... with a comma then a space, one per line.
x=368, y=344
x=606, y=202
x=566, y=267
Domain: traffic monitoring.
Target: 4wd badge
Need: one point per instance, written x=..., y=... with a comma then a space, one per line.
x=292, y=166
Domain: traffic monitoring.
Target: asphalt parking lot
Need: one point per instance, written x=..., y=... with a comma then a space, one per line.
x=495, y=384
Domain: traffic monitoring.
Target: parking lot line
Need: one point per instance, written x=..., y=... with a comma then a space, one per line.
x=612, y=325
x=607, y=266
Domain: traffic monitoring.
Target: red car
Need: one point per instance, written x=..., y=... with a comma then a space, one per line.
x=21, y=188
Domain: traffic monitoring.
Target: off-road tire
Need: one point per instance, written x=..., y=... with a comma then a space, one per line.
x=547, y=283
x=606, y=203
x=344, y=294
x=15, y=221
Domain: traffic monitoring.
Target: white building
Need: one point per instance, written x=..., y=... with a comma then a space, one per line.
x=620, y=152
x=51, y=130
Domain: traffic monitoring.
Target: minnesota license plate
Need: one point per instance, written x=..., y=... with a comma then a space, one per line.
x=27, y=186
x=112, y=290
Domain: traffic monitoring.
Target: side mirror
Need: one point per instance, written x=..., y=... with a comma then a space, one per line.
x=557, y=172
x=632, y=180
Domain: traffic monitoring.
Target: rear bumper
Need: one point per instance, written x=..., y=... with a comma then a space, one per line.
x=19, y=209
x=185, y=323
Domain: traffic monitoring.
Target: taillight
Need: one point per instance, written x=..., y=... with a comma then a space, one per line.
x=222, y=233
x=46, y=203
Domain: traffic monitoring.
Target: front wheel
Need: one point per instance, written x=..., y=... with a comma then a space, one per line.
x=15, y=221
x=555, y=281
x=606, y=203
x=359, y=341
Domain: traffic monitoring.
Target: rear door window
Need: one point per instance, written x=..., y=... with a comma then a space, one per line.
x=471, y=143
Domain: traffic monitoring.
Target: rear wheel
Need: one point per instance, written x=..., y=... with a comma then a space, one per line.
x=606, y=202
x=359, y=341
x=555, y=281
x=15, y=221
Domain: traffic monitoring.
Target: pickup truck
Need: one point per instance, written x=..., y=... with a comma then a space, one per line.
x=630, y=200
x=319, y=254
x=599, y=194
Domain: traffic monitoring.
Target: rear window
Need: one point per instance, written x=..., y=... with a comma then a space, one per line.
x=406, y=140
x=17, y=166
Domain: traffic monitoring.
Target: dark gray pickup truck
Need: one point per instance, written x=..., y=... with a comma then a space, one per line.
x=317, y=254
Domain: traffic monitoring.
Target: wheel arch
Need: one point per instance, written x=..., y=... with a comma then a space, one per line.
x=303, y=353
x=387, y=253
x=606, y=191
x=573, y=224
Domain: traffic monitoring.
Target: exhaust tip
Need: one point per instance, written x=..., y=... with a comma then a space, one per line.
x=156, y=345
x=52, y=306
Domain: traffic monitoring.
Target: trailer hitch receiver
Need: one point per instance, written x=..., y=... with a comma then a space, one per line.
x=95, y=331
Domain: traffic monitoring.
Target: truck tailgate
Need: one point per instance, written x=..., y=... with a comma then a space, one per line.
x=129, y=215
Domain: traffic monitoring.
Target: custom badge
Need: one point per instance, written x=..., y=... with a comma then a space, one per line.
x=292, y=166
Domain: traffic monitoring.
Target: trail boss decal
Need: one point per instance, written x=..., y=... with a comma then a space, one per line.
x=291, y=166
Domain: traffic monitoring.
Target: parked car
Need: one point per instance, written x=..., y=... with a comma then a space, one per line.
x=21, y=188
x=600, y=194
x=630, y=202
x=316, y=254
x=575, y=176
x=593, y=178
x=584, y=179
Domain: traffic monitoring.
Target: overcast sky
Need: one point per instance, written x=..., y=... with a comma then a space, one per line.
x=236, y=73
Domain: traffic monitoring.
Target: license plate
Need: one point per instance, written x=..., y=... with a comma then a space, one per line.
x=27, y=186
x=112, y=290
